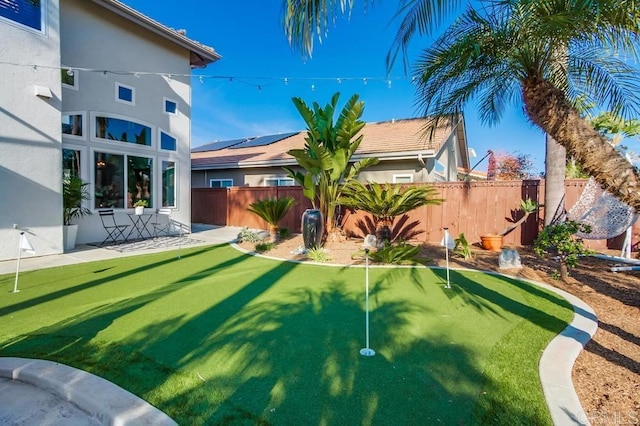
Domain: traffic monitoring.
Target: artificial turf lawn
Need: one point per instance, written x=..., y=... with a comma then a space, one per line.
x=220, y=337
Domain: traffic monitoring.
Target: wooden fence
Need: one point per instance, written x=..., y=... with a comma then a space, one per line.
x=472, y=208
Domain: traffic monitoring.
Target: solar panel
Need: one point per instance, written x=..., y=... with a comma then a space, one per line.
x=215, y=146
x=264, y=140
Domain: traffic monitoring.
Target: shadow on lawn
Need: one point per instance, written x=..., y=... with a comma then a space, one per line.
x=104, y=279
x=291, y=359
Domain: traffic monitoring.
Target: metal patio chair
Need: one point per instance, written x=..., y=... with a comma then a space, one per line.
x=115, y=231
x=160, y=225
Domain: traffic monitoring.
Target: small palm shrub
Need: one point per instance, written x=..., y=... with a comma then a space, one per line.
x=397, y=254
x=318, y=254
x=462, y=247
x=272, y=211
x=559, y=240
x=385, y=202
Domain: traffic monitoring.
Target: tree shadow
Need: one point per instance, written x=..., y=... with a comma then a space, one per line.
x=401, y=230
x=289, y=358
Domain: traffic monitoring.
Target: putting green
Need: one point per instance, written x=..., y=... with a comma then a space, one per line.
x=222, y=337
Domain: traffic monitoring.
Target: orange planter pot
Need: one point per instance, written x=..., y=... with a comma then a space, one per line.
x=491, y=242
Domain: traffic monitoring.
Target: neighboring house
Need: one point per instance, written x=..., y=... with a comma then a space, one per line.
x=405, y=152
x=96, y=89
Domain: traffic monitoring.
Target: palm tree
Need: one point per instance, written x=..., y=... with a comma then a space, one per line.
x=272, y=211
x=510, y=54
x=327, y=154
x=386, y=202
x=542, y=53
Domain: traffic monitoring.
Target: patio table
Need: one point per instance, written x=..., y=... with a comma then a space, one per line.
x=140, y=225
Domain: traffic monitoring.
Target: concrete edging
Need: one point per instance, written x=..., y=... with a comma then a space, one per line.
x=102, y=400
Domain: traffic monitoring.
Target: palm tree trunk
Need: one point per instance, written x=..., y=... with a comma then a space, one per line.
x=548, y=108
x=555, y=169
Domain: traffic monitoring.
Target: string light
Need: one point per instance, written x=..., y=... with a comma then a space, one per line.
x=258, y=82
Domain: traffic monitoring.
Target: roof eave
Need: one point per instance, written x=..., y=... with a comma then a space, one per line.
x=201, y=55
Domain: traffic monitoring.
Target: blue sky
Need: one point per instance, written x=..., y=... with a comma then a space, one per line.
x=256, y=100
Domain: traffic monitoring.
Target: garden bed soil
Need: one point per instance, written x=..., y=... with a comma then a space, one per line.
x=606, y=375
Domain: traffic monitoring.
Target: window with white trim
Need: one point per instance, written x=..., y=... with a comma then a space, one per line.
x=220, y=183
x=168, y=183
x=24, y=14
x=168, y=142
x=404, y=178
x=73, y=125
x=121, y=179
x=170, y=106
x=278, y=181
x=125, y=94
x=113, y=128
x=70, y=77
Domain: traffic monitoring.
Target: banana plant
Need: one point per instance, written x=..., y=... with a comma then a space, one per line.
x=326, y=157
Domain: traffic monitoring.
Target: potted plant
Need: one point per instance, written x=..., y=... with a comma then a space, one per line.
x=140, y=205
x=74, y=192
x=493, y=242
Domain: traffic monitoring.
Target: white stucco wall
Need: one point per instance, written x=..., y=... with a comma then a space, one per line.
x=85, y=31
x=30, y=140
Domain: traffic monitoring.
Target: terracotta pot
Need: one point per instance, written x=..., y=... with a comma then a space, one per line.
x=491, y=242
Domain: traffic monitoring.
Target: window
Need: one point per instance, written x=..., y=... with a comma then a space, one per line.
x=125, y=94
x=121, y=130
x=70, y=162
x=139, y=180
x=402, y=178
x=167, y=142
x=170, y=106
x=72, y=125
x=109, y=180
x=69, y=78
x=25, y=13
x=168, y=184
x=220, y=183
x=278, y=181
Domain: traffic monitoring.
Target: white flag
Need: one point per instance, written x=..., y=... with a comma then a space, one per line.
x=447, y=241
x=25, y=245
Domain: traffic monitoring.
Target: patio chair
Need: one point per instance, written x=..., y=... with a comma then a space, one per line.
x=160, y=225
x=115, y=231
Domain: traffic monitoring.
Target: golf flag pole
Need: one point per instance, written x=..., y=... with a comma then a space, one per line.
x=367, y=351
x=23, y=246
x=448, y=244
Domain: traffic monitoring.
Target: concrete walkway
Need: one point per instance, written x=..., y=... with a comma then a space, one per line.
x=37, y=392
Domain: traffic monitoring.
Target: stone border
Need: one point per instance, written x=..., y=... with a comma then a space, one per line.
x=102, y=400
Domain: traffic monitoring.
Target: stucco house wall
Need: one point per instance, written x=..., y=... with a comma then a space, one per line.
x=84, y=29
x=84, y=53
x=30, y=189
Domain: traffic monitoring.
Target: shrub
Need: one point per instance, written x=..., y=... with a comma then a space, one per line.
x=318, y=254
x=262, y=247
x=462, y=247
x=249, y=236
x=560, y=241
x=398, y=254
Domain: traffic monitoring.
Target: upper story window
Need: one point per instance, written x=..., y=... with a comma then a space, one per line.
x=168, y=142
x=125, y=94
x=69, y=77
x=26, y=13
x=170, y=106
x=118, y=129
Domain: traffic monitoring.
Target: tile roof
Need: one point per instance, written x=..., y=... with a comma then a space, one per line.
x=383, y=139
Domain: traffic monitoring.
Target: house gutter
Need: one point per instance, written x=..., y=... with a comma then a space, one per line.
x=205, y=54
x=408, y=155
